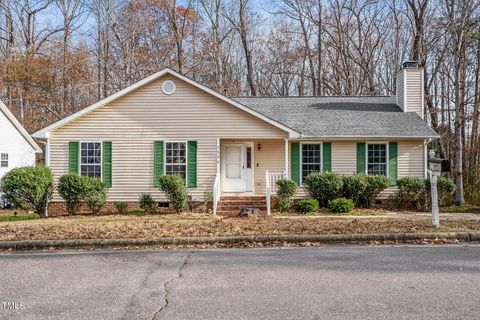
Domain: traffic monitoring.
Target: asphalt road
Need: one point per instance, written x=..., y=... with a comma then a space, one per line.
x=383, y=282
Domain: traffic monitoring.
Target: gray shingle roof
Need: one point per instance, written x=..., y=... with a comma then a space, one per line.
x=360, y=116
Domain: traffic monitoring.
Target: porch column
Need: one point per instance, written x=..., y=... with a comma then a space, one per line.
x=218, y=156
x=286, y=158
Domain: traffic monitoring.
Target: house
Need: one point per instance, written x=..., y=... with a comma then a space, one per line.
x=236, y=147
x=17, y=148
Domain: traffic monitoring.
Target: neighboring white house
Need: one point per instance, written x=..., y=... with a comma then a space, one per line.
x=17, y=148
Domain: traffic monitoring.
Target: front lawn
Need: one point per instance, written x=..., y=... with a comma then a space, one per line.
x=326, y=212
x=189, y=225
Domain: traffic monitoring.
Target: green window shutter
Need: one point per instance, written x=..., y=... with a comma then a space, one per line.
x=157, y=162
x=107, y=163
x=192, y=164
x=361, y=165
x=392, y=162
x=295, y=162
x=327, y=156
x=73, y=157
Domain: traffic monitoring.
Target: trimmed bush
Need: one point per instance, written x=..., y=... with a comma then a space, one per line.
x=174, y=187
x=412, y=193
x=341, y=205
x=374, y=185
x=308, y=205
x=147, y=203
x=29, y=188
x=286, y=189
x=323, y=186
x=71, y=187
x=121, y=207
x=354, y=188
x=95, y=195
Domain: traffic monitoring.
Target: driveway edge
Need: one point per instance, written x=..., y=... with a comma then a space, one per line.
x=323, y=238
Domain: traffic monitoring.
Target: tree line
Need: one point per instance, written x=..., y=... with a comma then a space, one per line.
x=58, y=56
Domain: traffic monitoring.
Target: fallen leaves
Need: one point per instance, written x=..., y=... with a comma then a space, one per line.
x=189, y=225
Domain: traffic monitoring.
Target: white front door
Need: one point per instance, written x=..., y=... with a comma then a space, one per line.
x=233, y=167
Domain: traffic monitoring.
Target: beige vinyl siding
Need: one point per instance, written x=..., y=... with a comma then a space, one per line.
x=271, y=157
x=409, y=90
x=411, y=160
x=344, y=157
x=136, y=120
x=400, y=91
x=414, y=86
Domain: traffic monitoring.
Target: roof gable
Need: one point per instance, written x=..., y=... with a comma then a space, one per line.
x=19, y=127
x=44, y=133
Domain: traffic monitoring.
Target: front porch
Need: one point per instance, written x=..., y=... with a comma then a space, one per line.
x=247, y=170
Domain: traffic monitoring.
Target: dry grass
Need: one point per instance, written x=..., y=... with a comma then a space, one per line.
x=188, y=225
x=461, y=209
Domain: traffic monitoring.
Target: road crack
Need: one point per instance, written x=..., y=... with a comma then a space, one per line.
x=167, y=285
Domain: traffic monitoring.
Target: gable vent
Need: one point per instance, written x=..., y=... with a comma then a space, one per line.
x=168, y=87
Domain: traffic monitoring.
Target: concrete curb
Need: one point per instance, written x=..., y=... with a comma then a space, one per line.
x=324, y=238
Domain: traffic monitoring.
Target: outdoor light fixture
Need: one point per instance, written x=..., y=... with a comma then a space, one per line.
x=259, y=147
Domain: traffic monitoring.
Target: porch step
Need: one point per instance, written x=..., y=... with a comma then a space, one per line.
x=231, y=205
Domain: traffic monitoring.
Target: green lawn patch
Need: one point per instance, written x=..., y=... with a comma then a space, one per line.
x=8, y=216
x=461, y=209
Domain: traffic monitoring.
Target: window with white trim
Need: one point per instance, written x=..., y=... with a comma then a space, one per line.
x=4, y=160
x=91, y=159
x=176, y=158
x=377, y=159
x=311, y=158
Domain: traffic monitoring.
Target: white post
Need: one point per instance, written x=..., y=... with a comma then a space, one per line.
x=435, y=209
x=47, y=153
x=267, y=191
x=218, y=156
x=286, y=159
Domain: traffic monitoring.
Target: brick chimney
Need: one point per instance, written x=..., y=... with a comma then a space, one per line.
x=409, y=88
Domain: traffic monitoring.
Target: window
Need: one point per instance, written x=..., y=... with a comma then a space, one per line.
x=311, y=158
x=91, y=159
x=176, y=158
x=377, y=159
x=4, y=160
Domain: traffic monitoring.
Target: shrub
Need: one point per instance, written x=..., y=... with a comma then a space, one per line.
x=308, y=205
x=373, y=186
x=147, y=203
x=341, y=205
x=29, y=188
x=412, y=193
x=323, y=186
x=121, y=207
x=95, y=194
x=207, y=200
x=71, y=187
x=286, y=189
x=354, y=188
x=446, y=189
x=174, y=187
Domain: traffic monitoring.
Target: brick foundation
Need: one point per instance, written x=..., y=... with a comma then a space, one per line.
x=58, y=208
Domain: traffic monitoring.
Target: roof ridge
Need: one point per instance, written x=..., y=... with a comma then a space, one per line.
x=345, y=96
